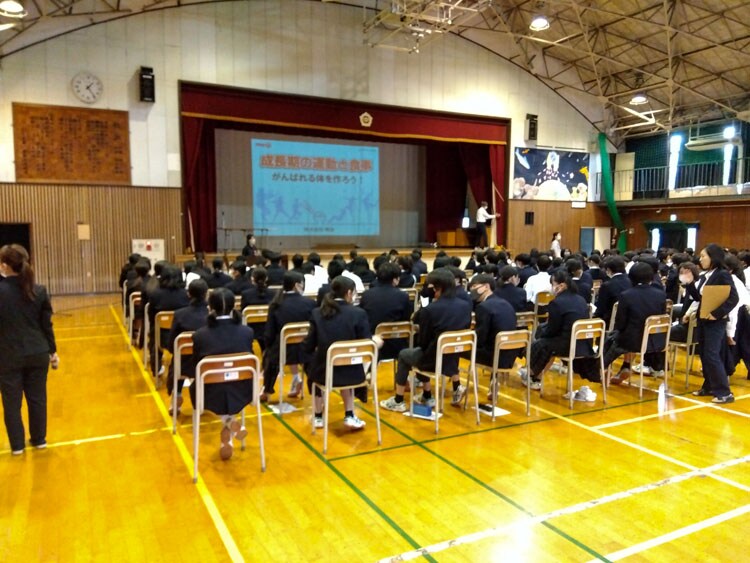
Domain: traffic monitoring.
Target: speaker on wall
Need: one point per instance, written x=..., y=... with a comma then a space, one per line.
x=147, y=87
x=532, y=127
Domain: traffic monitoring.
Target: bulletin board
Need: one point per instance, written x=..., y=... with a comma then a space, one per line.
x=71, y=144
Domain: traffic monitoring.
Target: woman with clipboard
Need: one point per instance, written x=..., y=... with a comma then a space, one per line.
x=717, y=296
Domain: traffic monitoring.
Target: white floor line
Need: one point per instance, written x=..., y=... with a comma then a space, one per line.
x=676, y=534
x=529, y=521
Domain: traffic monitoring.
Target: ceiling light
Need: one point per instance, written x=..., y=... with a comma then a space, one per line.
x=638, y=99
x=12, y=9
x=539, y=23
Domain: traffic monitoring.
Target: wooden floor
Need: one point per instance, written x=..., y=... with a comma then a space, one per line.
x=598, y=483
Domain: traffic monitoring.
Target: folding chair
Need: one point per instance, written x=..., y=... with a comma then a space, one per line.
x=133, y=302
x=183, y=346
x=586, y=329
x=125, y=310
x=163, y=322
x=225, y=368
x=508, y=340
x=146, y=335
x=291, y=333
x=526, y=319
x=541, y=302
x=391, y=330
x=655, y=324
x=611, y=326
x=690, y=346
x=347, y=353
x=255, y=314
x=238, y=302
x=595, y=287
x=450, y=342
x=413, y=296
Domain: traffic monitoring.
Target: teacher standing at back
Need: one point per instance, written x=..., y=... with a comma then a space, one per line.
x=27, y=347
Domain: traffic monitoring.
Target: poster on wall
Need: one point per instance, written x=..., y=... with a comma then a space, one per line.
x=550, y=174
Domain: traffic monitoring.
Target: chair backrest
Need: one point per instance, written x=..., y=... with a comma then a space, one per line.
x=164, y=320
x=227, y=367
x=255, y=314
x=349, y=353
x=237, y=302
x=525, y=319
x=595, y=287
x=473, y=323
x=541, y=301
x=512, y=339
x=291, y=333
x=135, y=300
x=394, y=329
x=588, y=329
x=669, y=307
x=612, y=318
x=456, y=342
x=183, y=346
x=656, y=324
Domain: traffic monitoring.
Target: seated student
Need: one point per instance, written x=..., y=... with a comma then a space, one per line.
x=297, y=261
x=361, y=268
x=508, y=289
x=594, y=262
x=541, y=281
x=418, y=266
x=574, y=268
x=358, y=285
x=385, y=302
x=406, y=278
x=138, y=284
x=275, y=269
x=460, y=278
x=217, y=278
x=634, y=306
x=493, y=315
x=128, y=270
x=350, y=264
x=525, y=268
x=318, y=272
x=288, y=306
x=335, y=320
x=224, y=334
x=444, y=313
x=187, y=319
x=258, y=294
x=553, y=337
x=335, y=268
x=169, y=296
x=239, y=282
x=610, y=290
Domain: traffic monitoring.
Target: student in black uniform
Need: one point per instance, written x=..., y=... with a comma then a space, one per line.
x=224, y=334
x=258, y=294
x=712, y=336
x=27, y=348
x=385, y=302
x=508, y=289
x=336, y=319
x=187, y=319
x=288, y=306
x=169, y=296
x=275, y=269
x=574, y=267
x=553, y=337
x=445, y=312
x=634, y=306
x=218, y=278
x=611, y=288
x=239, y=282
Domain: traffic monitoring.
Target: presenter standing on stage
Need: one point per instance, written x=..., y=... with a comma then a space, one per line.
x=555, y=245
x=250, y=250
x=482, y=217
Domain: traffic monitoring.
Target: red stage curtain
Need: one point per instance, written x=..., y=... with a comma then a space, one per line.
x=499, y=168
x=199, y=183
x=445, y=190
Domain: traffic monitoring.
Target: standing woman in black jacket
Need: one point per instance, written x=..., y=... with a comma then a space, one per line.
x=27, y=347
x=712, y=337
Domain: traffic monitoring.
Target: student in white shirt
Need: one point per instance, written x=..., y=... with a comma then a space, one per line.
x=482, y=217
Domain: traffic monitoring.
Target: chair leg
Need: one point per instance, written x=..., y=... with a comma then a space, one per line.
x=196, y=430
x=570, y=384
x=440, y=401
x=260, y=432
x=326, y=397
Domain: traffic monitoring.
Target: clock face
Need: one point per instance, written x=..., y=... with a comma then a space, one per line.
x=87, y=87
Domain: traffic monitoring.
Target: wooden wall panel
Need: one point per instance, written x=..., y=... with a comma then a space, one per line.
x=551, y=216
x=725, y=223
x=116, y=215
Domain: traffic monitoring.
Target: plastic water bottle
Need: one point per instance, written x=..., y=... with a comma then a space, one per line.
x=661, y=402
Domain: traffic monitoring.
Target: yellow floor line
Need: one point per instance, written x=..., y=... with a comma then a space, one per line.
x=205, y=494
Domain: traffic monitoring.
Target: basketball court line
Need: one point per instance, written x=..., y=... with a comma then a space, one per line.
x=514, y=527
x=205, y=495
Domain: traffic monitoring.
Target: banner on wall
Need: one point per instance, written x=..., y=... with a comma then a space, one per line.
x=550, y=174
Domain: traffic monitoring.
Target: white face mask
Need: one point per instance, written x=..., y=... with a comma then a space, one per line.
x=684, y=279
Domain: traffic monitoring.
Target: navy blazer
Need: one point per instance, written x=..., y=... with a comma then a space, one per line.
x=294, y=308
x=237, y=286
x=494, y=315
x=25, y=326
x=386, y=303
x=635, y=305
x=525, y=273
x=609, y=293
x=349, y=323
x=516, y=296
x=441, y=315
x=218, y=279
x=564, y=310
x=719, y=277
x=188, y=319
x=225, y=337
x=275, y=274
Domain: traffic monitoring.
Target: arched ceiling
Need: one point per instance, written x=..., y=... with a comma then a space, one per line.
x=691, y=58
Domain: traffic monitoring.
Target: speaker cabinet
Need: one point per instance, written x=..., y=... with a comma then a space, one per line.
x=147, y=86
x=532, y=127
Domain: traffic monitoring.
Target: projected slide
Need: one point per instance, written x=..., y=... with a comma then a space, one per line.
x=315, y=189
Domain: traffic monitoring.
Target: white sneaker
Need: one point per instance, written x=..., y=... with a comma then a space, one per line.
x=534, y=385
x=636, y=368
x=391, y=405
x=354, y=422
x=522, y=372
x=458, y=395
x=585, y=394
x=658, y=373
x=558, y=367
x=318, y=421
